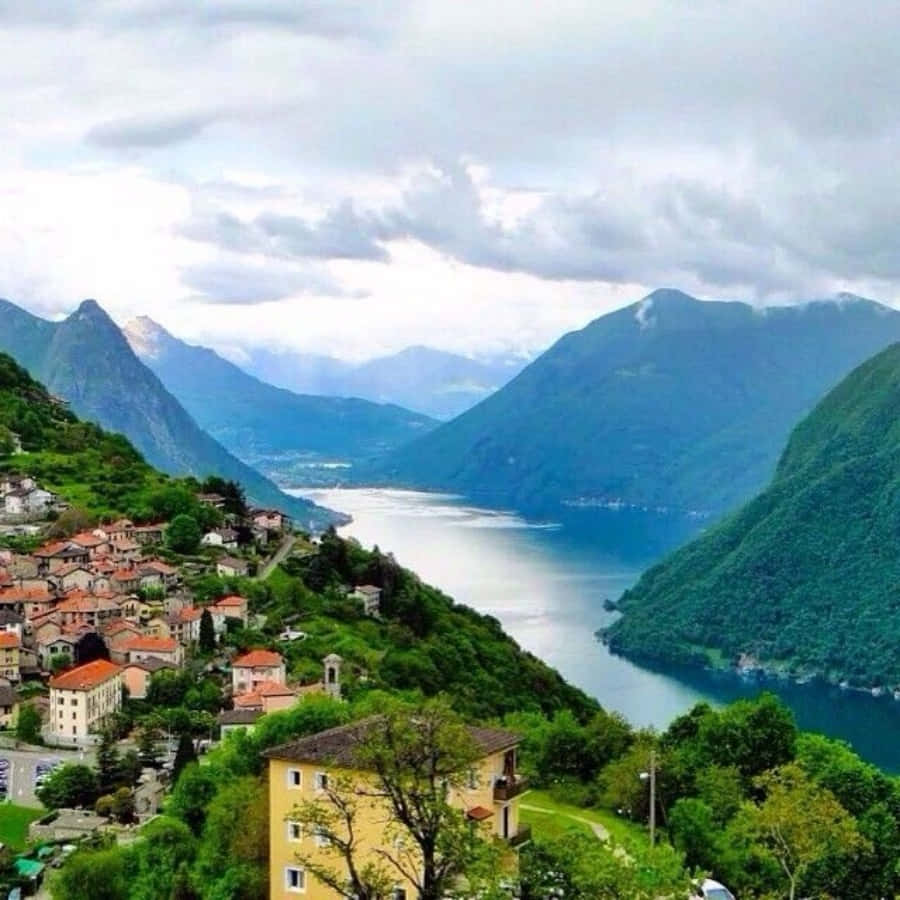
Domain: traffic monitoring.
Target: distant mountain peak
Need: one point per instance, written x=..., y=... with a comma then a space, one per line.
x=669, y=295
x=146, y=336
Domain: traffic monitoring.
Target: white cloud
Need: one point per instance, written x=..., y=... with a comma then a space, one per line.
x=355, y=176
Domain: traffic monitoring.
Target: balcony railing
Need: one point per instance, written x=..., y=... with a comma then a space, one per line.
x=506, y=787
x=522, y=836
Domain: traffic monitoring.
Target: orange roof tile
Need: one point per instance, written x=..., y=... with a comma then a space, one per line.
x=151, y=644
x=83, y=678
x=479, y=813
x=8, y=640
x=258, y=658
x=231, y=600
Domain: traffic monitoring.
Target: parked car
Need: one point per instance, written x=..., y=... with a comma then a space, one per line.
x=713, y=890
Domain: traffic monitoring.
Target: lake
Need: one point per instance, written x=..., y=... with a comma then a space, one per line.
x=546, y=582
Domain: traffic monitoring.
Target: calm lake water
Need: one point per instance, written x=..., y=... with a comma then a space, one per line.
x=546, y=583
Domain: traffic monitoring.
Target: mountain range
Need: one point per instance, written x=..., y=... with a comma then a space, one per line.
x=670, y=402
x=271, y=428
x=433, y=382
x=86, y=360
x=804, y=577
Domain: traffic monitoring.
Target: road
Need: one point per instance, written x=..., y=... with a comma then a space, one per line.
x=21, y=769
x=283, y=549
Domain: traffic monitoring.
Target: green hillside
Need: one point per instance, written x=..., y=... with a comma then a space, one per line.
x=98, y=471
x=269, y=427
x=806, y=575
x=669, y=402
x=86, y=360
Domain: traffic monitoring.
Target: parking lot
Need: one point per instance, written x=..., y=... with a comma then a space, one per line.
x=20, y=771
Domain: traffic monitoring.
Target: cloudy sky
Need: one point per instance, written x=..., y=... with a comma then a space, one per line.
x=352, y=177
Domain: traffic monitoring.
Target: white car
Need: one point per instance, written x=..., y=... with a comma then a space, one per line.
x=712, y=890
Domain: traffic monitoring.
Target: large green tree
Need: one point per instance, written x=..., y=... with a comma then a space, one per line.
x=183, y=534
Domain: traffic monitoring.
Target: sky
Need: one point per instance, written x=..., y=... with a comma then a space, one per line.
x=350, y=178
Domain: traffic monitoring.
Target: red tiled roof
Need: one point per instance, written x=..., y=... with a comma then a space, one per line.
x=151, y=644
x=87, y=539
x=258, y=658
x=189, y=614
x=118, y=625
x=8, y=640
x=83, y=678
x=231, y=600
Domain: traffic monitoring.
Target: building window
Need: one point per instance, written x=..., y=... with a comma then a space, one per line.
x=295, y=879
x=294, y=832
x=74, y=701
x=295, y=778
x=321, y=781
x=398, y=893
x=473, y=780
x=321, y=838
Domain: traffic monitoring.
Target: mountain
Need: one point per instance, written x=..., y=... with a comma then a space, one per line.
x=86, y=360
x=805, y=575
x=670, y=402
x=432, y=382
x=265, y=425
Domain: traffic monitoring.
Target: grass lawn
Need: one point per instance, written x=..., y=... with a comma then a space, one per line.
x=14, y=822
x=551, y=818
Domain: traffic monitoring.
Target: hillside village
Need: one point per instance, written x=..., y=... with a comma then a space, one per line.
x=107, y=592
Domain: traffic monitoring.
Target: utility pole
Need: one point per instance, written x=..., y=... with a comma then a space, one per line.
x=652, y=798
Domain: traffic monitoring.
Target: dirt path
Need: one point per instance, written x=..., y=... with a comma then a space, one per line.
x=601, y=831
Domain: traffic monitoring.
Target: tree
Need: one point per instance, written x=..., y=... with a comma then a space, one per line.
x=147, y=752
x=183, y=534
x=577, y=866
x=415, y=758
x=68, y=786
x=800, y=823
x=161, y=859
x=109, y=763
x=183, y=755
x=59, y=661
x=98, y=874
x=28, y=724
x=90, y=647
x=207, y=633
x=191, y=796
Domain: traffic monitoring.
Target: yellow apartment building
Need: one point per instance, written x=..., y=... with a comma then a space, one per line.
x=299, y=769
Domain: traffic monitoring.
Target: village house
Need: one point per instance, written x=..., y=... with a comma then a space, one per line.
x=253, y=668
x=149, y=534
x=231, y=607
x=156, y=573
x=158, y=626
x=116, y=635
x=54, y=556
x=9, y=704
x=51, y=645
x=135, y=610
x=298, y=770
x=82, y=699
x=73, y=576
x=216, y=501
x=28, y=502
x=124, y=550
x=144, y=647
x=10, y=483
x=9, y=656
x=86, y=609
x=231, y=567
x=267, y=696
x=12, y=622
x=270, y=519
x=120, y=530
x=136, y=675
x=221, y=537
x=184, y=624
x=370, y=597
x=96, y=546
x=237, y=720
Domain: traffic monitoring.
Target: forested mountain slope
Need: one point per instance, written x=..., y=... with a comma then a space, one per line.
x=670, y=402
x=805, y=575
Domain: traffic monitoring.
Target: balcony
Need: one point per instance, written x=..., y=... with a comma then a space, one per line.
x=506, y=787
x=522, y=836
